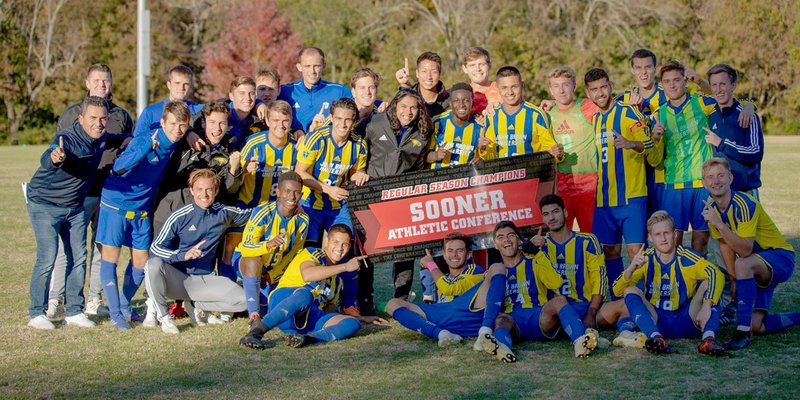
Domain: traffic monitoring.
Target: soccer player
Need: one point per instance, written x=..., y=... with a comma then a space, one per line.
x=183, y=257
x=268, y=84
x=180, y=83
x=476, y=63
x=310, y=95
x=55, y=197
x=243, y=120
x=429, y=86
x=518, y=127
x=125, y=207
x=681, y=291
x=622, y=138
x=458, y=136
x=754, y=253
x=119, y=129
x=576, y=175
x=462, y=296
x=273, y=236
x=364, y=84
x=304, y=305
x=522, y=283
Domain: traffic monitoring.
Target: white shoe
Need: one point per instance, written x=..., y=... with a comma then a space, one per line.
x=447, y=338
x=54, y=309
x=201, y=317
x=630, y=339
x=79, y=320
x=214, y=320
x=41, y=322
x=225, y=317
x=150, y=319
x=95, y=307
x=478, y=346
x=191, y=311
x=168, y=325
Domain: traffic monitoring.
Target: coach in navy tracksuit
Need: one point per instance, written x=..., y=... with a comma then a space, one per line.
x=183, y=254
x=55, y=205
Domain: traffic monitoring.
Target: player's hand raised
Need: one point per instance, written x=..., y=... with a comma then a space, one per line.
x=710, y=215
x=539, y=240
x=426, y=259
x=194, y=141
x=251, y=165
x=712, y=138
x=233, y=160
x=58, y=155
x=658, y=130
x=353, y=264
x=277, y=241
x=635, y=99
x=155, y=141
x=194, y=252
x=639, y=259
x=621, y=143
x=402, y=75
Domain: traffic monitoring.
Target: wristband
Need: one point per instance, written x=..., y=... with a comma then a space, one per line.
x=431, y=266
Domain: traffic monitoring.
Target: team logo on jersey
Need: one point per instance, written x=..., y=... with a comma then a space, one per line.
x=416, y=143
x=337, y=158
x=192, y=228
x=457, y=140
x=296, y=105
x=565, y=129
x=510, y=128
x=714, y=127
x=155, y=159
x=306, y=154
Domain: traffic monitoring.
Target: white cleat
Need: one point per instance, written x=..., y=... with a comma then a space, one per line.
x=226, y=317
x=630, y=339
x=447, y=338
x=41, y=322
x=79, y=320
x=214, y=320
x=168, y=325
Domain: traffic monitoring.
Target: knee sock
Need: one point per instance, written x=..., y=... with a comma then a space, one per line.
x=226, y=270
x=625, y=324
x=778, y=322
x=344, y=329
x=300, y=299
x=571, y=322
x=250, y=285
x=641, y=315
x=133, y=279
x=745, y=302
x=416, y=322
x=614, y=269
x=712, y=326
x=494, y=300
x=108, y=278
x=503, y=335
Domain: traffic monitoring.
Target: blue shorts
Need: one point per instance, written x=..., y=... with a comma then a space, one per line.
x=322, y=220
x=685, y=206
x=309, y=320
x=581, y=308
x=677, y=324
x=527, y=320
x=456, y=316
x=612, y=224
x=781, y=263
x=118, y=228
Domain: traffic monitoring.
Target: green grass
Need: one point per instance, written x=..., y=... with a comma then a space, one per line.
x=206, y=362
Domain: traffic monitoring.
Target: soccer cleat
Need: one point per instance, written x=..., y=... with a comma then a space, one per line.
x=79, y=320
x=299, y=340
x=168, y=325
x=95, y=307
x=630, y=339
x=352, y=311
x=176, y=310
x=446, y=338
x=478, y=345
x=710, y=347
x=41, y=322
x=55, y=309
x=493, y=347
x=254, y=335
x=739, y=341
x=657, y=345
x=585, y=344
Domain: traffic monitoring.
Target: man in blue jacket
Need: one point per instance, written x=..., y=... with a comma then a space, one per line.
x=183, y=256
x=55, y=198
x=125, y=206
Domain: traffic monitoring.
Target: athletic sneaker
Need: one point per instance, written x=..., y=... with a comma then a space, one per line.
x=657, y=345
x=447, y=338
x=630, y=339
x=710, y=347
x=194, y=314
x=150, y=318
x=95, y=307
x=254, y=335
x=79, y=320
x=41, y=322
x=493, y=347
x=739, y=341
x=55, y=309
x=478, y=345
x=225, y=317
x=168, y=325
x=118, y=323
x=299, y=340
x=213, y=319
x=585, y=344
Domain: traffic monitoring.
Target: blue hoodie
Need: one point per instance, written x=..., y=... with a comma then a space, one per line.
x=307, y=103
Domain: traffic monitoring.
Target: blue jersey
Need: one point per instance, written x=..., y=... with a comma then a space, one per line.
x=307, y=103
x=137, y=172
x=150, y=119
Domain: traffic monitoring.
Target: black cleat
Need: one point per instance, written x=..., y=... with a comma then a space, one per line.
x=657, y=345
x=299, y=340
x=710, y=347
x=253, y=337
x=739, y=341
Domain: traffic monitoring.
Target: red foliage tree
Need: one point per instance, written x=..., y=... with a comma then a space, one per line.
x=256, y=34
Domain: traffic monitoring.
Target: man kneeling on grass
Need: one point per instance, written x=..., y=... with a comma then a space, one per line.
x=304, y=305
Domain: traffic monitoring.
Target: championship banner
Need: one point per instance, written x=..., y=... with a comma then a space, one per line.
x=396, y=218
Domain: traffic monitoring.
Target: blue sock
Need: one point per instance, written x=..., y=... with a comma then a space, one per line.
x=571, y=322
x=503, y=335
x=625, y=324
x=349, y=289
x=745, y=302
x=133, y=279
x=226, y=270
x=712, y=326
x=614, y=269
x=778, y=322
x=344, y=329
x=416, y=322
x=641, y=315
x=108, y=278
x=299, y=300
x=250, y=285
x=494, y=300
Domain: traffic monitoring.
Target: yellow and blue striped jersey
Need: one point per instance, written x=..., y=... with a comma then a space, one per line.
x=449, y=287
x=461, y=140
x=525, y=132
x=331, y=163
x=668, y=286
x=528, y=282
x=261, y=186
x=581, y=264
x=747, y=219
x=326, y=292
x=620, y=173
x=265, y=223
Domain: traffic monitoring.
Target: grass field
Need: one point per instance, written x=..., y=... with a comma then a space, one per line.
x=206, y=362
